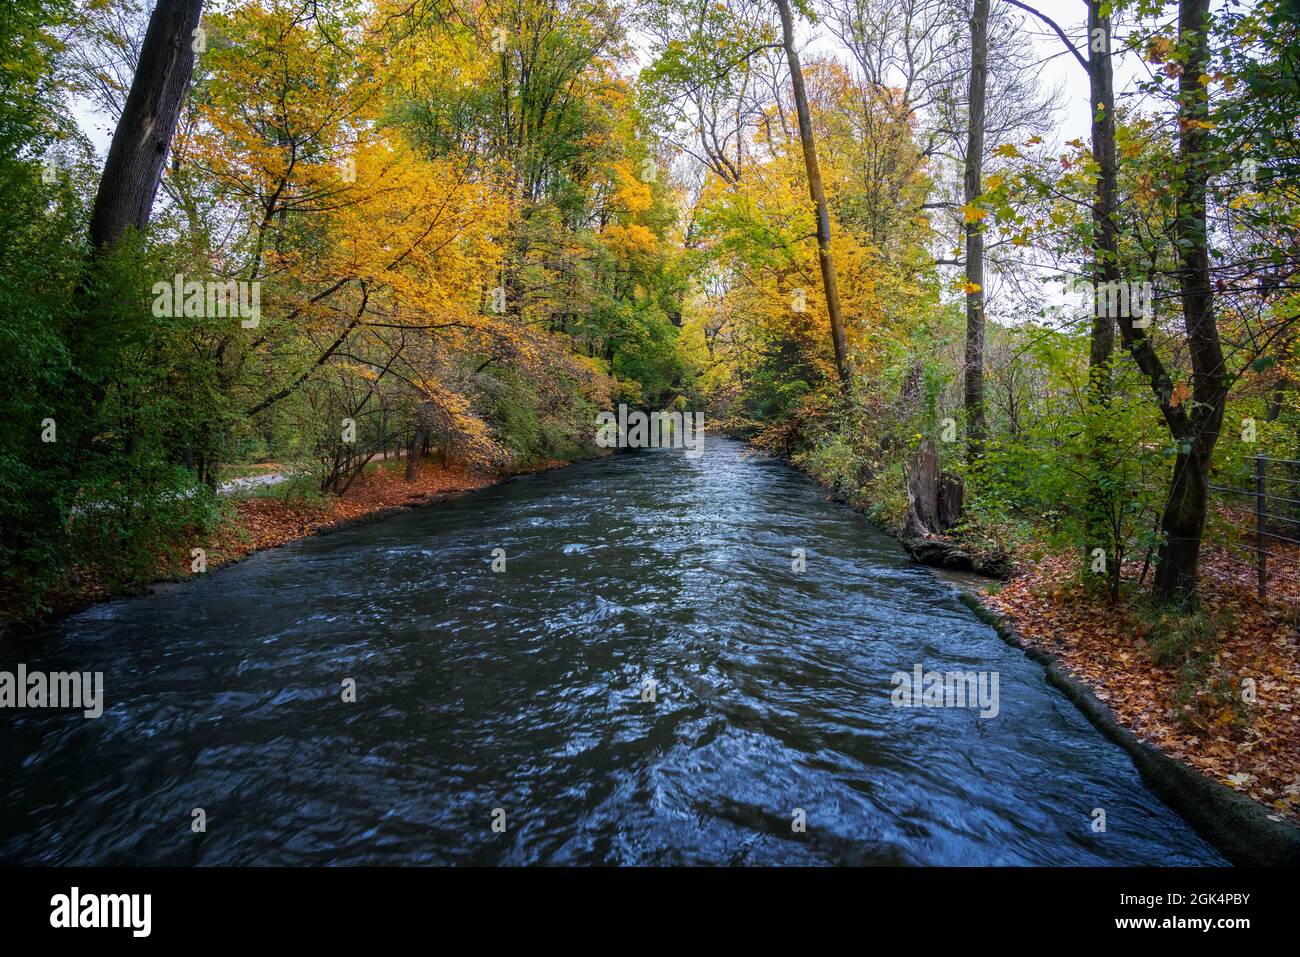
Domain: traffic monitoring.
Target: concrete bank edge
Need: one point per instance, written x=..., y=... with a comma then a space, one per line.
x=1239, y=828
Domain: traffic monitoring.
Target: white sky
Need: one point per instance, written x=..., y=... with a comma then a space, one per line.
x=1059, y=69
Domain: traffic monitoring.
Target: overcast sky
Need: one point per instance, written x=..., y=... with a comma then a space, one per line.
x=1059, y=69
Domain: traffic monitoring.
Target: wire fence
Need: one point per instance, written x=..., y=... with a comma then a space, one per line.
x=1265, y=508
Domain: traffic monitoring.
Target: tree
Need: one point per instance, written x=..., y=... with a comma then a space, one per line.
x=912, y=49
x=1197, y=429
x=974, y=384
x=144, y=132
x=815, y=190
x=1105, y=267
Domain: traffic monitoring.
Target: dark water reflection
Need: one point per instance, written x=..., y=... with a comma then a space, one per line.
x=522, y=691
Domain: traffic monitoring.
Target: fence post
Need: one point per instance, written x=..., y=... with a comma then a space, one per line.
x=1261, y=523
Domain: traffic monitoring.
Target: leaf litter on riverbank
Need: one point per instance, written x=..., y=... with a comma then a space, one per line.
x=267, y=521
x=268, y=518
x=1177, y=682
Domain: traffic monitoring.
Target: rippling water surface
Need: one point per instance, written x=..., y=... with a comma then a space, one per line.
x=522, y=691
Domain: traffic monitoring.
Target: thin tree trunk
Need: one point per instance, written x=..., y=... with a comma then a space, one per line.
x=1105, y=239
x=1279, y=396
x=829, y=282
x=1105, y=230
x=144, y=133
x=974, y=384
x=1105, y=271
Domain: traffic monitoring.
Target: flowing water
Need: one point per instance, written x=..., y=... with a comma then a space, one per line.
x=523, y=691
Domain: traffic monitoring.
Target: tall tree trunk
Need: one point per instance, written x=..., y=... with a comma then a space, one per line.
x=1102, y=502
x=125, y=198
x=1099, y=517
x=974, y=385
x=144, y=132
x=829, y=282
x=1105, y=237
x=1184, y=517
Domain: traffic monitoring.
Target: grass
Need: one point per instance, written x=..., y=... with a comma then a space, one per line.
x=1189, y=642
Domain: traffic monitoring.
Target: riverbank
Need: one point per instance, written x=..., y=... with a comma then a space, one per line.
x=261, y=517
x=1218, y=691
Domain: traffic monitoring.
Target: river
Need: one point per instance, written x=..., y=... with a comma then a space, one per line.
x=517, y=698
